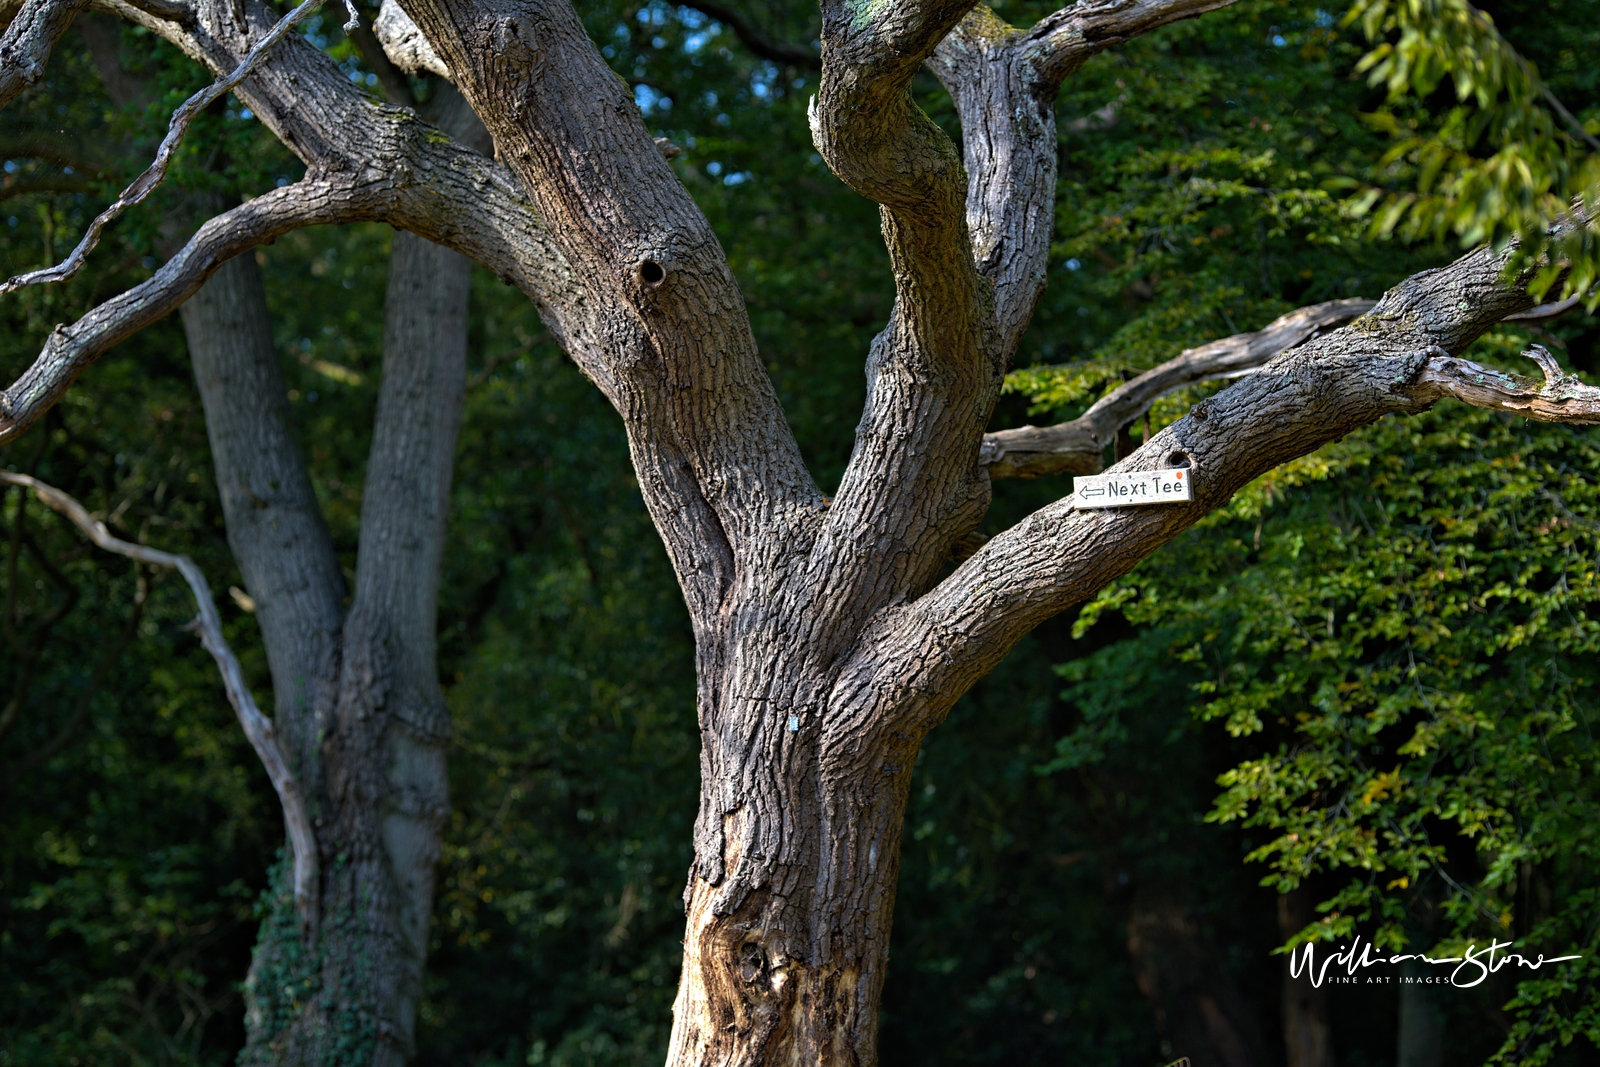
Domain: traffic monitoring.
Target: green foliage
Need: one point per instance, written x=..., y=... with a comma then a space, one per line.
x=1506, y=162
x=1200, y=196
x=1406, y=619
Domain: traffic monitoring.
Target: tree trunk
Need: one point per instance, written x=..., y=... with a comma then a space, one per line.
x=789, y=908
x=348, y=989
x=386, y=758
x=1307, y=1041
x=357, y=697
x=1198, y=1009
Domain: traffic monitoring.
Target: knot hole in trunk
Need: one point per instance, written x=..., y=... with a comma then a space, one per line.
x=650, y=272
x=752, y=961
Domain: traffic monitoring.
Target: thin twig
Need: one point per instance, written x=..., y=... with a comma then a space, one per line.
x=156, y=173
x=257, y=727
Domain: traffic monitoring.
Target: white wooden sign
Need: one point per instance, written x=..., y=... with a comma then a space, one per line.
x=1132, y=487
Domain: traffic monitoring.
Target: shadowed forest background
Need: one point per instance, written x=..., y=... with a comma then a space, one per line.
x=1371, y=678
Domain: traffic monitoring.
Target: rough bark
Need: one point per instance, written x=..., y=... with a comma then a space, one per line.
x=827, y=642
x=1077, y=447
x=364, y=684
x=385, y=724
x=25, y=46
x=274, y=524
x=357, y=695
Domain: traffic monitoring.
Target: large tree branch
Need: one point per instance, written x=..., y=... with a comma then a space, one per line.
x=993, y=69
x=70, y=349
x=1077, y=447
x=412, y=179
x=1399, y=358
x=27, y=41
x=671, y=345
x=257, y=727
x=969, y=248
x=1062, y=42
x=912, y=484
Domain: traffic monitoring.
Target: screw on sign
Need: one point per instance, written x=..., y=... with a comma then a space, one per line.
x=1126, y=488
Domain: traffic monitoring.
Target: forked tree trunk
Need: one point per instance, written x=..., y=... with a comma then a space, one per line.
x=357, y=695
x=348, y=987
x=828, y=644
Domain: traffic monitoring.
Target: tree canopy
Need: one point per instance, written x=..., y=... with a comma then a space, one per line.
x=1367, y=680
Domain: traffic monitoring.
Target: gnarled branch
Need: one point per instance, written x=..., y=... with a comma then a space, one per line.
x=1076, y=447
x=1398, y=358
x=69, y=349
x=1558, y=397
x=992, y=69
x=257, y=727
x=1062, y=42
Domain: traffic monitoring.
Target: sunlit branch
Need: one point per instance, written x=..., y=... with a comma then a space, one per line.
x=69, y=349
x=1076, y=447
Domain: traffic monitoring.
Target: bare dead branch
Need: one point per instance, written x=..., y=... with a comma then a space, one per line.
x=1558, y=398
x=25, y=46
x=1062, y=42
x=1547, y=312
x=156, y=173
x=257, y=727
x=1076, y=447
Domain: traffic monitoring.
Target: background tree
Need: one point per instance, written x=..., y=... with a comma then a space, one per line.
x=717, y=189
